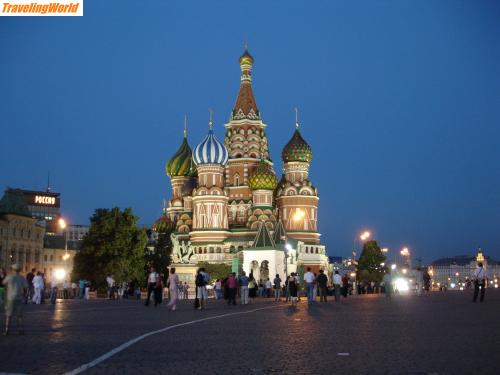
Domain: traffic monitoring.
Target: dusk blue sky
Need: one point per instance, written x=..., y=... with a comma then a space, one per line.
x=400, y=101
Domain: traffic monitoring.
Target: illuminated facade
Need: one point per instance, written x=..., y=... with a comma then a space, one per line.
x=227, y=204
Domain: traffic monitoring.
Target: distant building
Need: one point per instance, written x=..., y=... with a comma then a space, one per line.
x=76, y=233
x=21, y=236
x=457, y=269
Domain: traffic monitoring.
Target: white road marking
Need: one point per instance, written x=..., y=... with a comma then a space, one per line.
x=343, y=354
x=125, y=345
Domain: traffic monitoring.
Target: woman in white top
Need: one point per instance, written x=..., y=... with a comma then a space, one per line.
x=173, y=288
x=38, y=285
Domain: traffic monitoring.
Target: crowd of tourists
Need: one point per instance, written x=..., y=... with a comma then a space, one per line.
x=17, y=290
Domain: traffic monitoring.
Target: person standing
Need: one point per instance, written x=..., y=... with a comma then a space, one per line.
x=81, y=288
x=152, y=279
x=173, y=288
x=337, y=284
x=111, y=286
x=158, y=292
x=30, y=291
x=243, y=282
x=277, y=288
x=73, y=290
x=309, y=281
x=218, y=289
x=3, y=275
x=232, y=285
x=269, y=287
x=345, y=285
x=387, y=280
x=292, y=288
x=479, y=282
x=16, y=286
x=322, y=285
x=252, y=285
x=65, y=289
x=185, y=290
x=38, y=287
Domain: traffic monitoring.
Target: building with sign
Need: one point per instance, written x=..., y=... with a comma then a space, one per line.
x=227, y=204
x=43, y=205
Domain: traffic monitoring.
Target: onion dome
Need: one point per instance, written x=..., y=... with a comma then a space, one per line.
x=297, y=149
x=181, y=163
x=263, y=178
x=246, y=58
x=210, y=150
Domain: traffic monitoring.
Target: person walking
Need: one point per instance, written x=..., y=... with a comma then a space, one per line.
x=173, y=288
x=152, y=279
x=277, y=288
x=337, y=284
x=232, y=285
x=38, y=287
x=243, y=281
x=202, y=280
x=322, y=285
x=16, y=287
x=309, y=281
x=479, y=282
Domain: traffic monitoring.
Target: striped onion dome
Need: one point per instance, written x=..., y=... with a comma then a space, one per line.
x=263, y=178
x=210, y=151
x=181, y=163
x=297, y=149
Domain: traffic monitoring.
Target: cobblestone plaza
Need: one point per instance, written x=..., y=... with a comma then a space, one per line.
x=436, y=333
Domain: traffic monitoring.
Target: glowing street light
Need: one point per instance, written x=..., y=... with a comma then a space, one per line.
x=393, y=266
x=62, y=224
x=405, y=252
x=364, y=236
x=384, y=250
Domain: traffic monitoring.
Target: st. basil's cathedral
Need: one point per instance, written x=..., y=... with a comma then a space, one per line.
x=227, y=205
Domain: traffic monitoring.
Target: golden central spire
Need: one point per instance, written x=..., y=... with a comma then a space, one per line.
x=296, y=118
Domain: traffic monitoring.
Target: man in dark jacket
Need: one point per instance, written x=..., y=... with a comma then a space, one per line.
x=322, y=285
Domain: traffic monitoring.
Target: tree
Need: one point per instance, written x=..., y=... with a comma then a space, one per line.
x=160, y=257
x=114, y=245
x=370, y=266
x=216, y=271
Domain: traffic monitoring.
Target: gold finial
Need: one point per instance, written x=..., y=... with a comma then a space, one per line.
x=185, y=125
x=296, y=118
x=210, y=123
